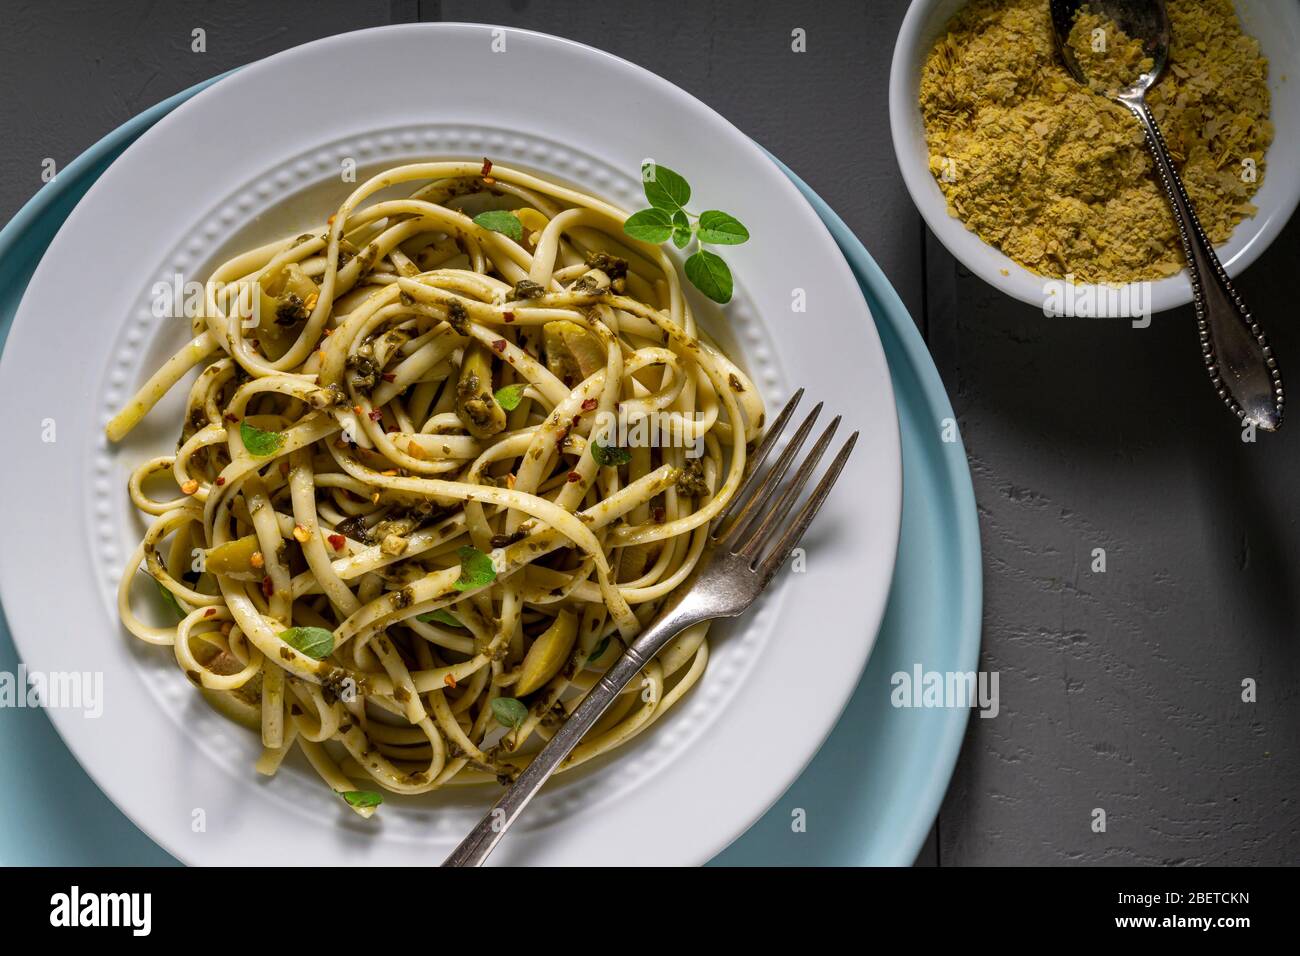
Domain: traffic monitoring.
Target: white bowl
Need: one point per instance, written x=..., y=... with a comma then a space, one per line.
x=1277, y=27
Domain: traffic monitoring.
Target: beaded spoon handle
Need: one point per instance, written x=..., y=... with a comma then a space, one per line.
x=1242, y=366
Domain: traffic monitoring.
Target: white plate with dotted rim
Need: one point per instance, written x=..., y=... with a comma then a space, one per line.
x=259, y=155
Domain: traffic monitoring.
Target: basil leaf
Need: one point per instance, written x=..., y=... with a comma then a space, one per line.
x=258, y=443
x=315, y=642
x=439, y=617
x=510, y=396
x=610, y=455
x=502, y=221
x=170, y=599
x=649, y=225
x=509, y=712
x=710, y=275
x=476, y=569
x=598, y=651
x=664, y=189
x=721, y=228
x=681, y=230
x=362, y=798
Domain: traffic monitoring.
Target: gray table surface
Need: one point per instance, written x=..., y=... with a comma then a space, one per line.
x=1119, y=690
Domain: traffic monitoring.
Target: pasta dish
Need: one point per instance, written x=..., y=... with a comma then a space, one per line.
x=444, y=456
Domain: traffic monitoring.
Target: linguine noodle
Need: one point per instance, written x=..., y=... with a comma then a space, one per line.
x=433, y=478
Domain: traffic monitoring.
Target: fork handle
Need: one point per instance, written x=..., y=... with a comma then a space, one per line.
x=474, y=849
x=1237, y=355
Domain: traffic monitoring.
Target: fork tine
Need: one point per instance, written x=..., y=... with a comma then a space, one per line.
x=771, y=480
x=762, y=535
x=756, y=462
x=785, y=545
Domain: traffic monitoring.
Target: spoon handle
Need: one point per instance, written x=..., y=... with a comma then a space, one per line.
x=1241, y=364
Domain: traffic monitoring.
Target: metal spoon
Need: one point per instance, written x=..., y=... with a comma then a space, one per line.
x=1241, y=364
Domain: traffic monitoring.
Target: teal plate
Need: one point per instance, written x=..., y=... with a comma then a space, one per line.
x=872, y=792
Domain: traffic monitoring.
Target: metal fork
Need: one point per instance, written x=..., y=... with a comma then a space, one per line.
x=748, y=541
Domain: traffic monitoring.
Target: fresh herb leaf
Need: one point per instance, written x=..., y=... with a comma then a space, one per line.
x=668, y=194
x=649, y=225
x=509, y=712
x=476, y=569
x=362, y=798
x=502, y=221
x=721, y=228
x=664, y=189
x=315, y=642
x=509, y=396
x=439, y=617
x=598, y=651
x=170, y=599
x=258, y=443
x=610, y=455
x=710, y=275
x=681, y=230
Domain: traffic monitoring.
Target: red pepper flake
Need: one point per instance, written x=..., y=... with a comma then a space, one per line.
x=487, y=166
x=499, y=345
x=210, y=612
x=376, y=415
x=577, y=420
x=562, y=434
x=574, y=477
x=590, y=404
x=509, y=316
x=449, y=680
x=389, y=376
x=337, y=541
x=267, y=587
x=220, y=481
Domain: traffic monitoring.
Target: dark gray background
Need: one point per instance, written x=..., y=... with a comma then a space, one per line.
x=1119, y=691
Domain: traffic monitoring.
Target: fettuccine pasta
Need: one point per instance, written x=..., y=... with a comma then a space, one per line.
x=435, y=471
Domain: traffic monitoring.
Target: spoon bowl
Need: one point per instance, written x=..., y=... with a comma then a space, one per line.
x=1145, y=20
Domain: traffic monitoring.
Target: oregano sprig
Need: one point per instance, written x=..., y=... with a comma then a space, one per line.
x=668, y=218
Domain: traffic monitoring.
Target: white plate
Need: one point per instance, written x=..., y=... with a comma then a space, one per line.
x=247, y=158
